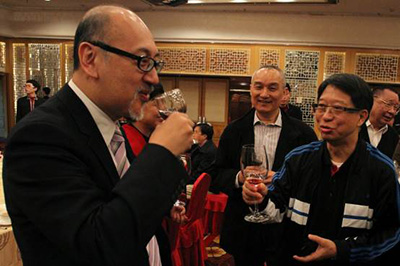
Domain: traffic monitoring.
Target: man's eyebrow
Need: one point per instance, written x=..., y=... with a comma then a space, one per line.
x=147, y=52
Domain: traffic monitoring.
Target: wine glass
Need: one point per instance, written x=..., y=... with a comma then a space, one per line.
x=254, y=167
x=167, y=103
x=170, y=101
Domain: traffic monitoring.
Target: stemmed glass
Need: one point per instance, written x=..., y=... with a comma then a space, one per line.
x=254, y=167
x=169, y=102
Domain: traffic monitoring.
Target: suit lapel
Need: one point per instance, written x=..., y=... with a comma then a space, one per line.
x=88, y=127
x=288, y=134
x=364, y=133
x=247, y=129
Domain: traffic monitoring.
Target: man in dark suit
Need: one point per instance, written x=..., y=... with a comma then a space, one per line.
x=46, y=93
x=377, y=130
x=26, y=104
x=203, y=154
x=68, y=203
x=290, y=109
x=267, y=125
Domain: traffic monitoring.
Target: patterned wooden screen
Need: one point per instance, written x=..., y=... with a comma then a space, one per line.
x=2, y=56
x=183, y=60
x=301, y=69
x=44, y=64
x=334, y=63
x=19, y=71
x=69, y=61
x=377, y=67
x=269, y=57
x=230, y=61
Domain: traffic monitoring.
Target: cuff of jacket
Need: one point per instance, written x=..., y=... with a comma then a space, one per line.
x=343, y=252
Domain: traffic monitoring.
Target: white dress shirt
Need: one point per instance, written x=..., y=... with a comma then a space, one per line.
x=106, y=127
x=375, y=135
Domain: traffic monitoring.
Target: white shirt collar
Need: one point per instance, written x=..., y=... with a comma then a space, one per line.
x=383, y=130
x=102, y=120
x=277, y=123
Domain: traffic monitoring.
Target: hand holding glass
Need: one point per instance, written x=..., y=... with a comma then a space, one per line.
x=254, y=167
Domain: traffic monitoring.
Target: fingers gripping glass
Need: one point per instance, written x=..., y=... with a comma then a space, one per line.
x=144, y=62
x=254, y=167
x=335, y=109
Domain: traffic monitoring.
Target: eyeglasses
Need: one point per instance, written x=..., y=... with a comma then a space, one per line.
x=145, y=63
x=335, y=109
x=389, y=105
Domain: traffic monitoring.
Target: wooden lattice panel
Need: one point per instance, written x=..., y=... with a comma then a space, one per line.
x=269, y=57
x=377, y=67
x=19, y=71
x=334, y=63
x=301, y=68
x=2, y=56
x=227, y=61
x=183, y=60
x=69, y=61
x=303, y=95
x=44, y=64
x=301, y=64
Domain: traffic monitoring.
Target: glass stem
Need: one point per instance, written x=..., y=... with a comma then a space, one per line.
x=256, y=212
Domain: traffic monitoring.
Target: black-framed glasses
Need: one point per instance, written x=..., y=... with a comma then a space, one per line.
x=144, y=62
x=389, y=105
x=335, y=109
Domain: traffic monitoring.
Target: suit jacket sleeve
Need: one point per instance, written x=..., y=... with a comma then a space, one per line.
x=52, y=181
x=19, y=110
x=227, y=161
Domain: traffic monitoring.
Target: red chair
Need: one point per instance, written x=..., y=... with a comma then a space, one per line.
x=189, y=243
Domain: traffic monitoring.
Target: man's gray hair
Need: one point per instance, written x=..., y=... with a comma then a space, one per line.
x=271, y=67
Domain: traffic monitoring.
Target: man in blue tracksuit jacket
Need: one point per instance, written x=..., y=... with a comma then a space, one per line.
x=338, y=198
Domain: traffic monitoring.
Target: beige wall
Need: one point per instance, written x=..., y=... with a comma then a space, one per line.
x=242, y=27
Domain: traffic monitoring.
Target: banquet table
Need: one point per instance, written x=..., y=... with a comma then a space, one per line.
x=9, y=252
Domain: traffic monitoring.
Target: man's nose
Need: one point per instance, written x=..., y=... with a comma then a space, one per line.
x=151, y=77
x=264, y=92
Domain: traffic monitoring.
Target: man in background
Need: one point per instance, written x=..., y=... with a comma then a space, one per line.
x=265, y=124
x=290, y=109
x=72, y=196
x=26, y=104
x=46, y=93
x=377, y=129
x=204, y=153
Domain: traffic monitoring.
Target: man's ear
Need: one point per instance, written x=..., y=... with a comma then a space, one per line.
x=87, y=55
x=363, y=117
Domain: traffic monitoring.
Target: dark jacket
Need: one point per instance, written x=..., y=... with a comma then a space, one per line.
x=202, y=159
x=24, y=106
x=237, y=235
x=294, y=111
x=388, y=142
x=367, y=224
x=66, y=201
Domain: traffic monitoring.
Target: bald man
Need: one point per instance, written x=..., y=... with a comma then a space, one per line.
x=73, y=198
